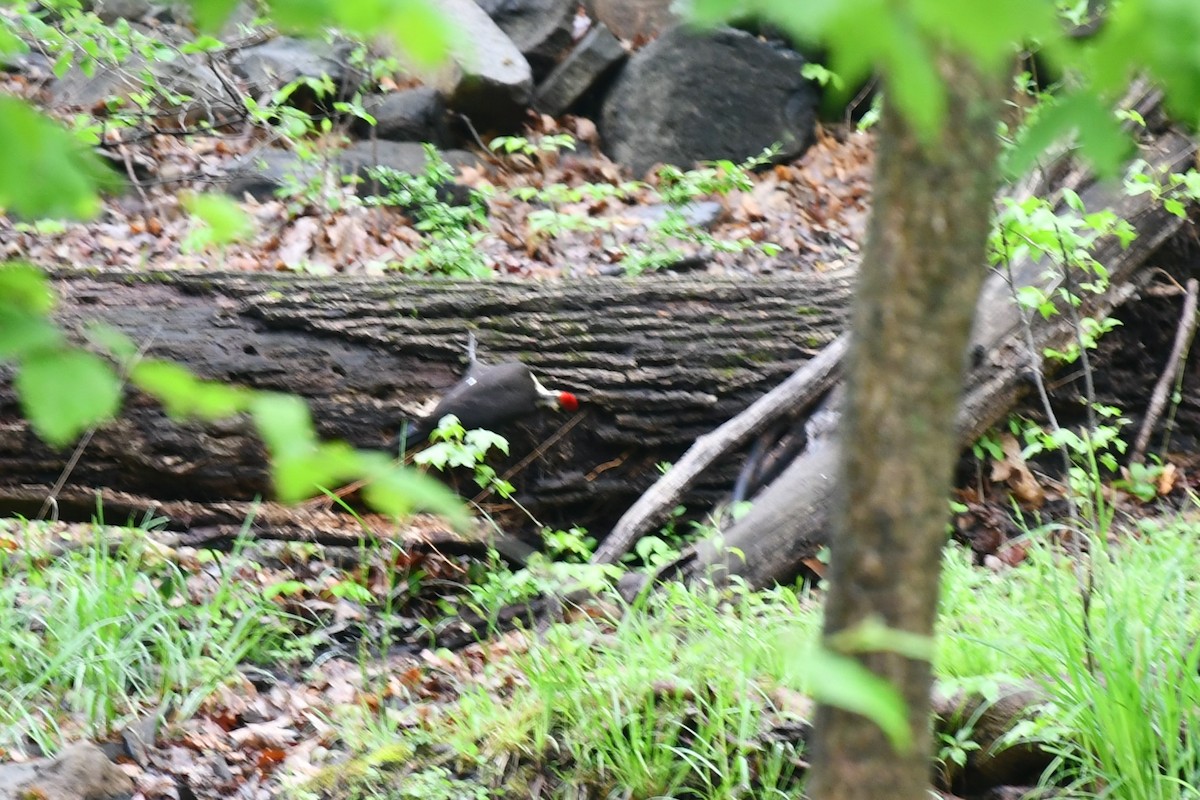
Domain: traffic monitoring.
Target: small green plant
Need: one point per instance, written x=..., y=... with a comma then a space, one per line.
x=454, y=447
x=554, y=220
x=669, y=701
x=955, y=748
x=561, y=569
x=1141, y=480
x=453, y=232
x=317, y=184
x=988, y=446
x=1173, y=189
x=678, y=190
x=519, y=145
x=1065, y=241
x=822, y=75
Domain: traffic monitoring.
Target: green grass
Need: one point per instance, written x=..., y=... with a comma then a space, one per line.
x=674, y=699
x=95, y=636
x=671, y=700
x=1125, y=725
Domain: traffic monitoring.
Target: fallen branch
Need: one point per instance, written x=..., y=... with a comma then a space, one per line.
x=787, y=400
x=1158, y=400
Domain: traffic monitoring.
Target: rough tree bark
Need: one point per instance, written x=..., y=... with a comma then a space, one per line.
x=656, y=362
x=918, y=284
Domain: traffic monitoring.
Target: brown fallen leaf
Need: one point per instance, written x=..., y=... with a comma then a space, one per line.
x=272, y=733
x=1013, y=470
x=792, y=703
x=297, y=241
x=1013, y=553
x=1166, y=481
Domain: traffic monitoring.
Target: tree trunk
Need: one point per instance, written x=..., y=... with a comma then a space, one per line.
x=918, y=283
x=656, y=362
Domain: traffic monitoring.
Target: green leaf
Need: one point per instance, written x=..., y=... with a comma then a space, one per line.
x=1173, y=206
x=10, y=43
x=65, y=392
x=284, y=423
x=22, y=333
x=290, y=588
x=872, y=635
x=986, y=30
x=485, y=440
x=437, y=455
x=1099, y=133
x=299, y=472
x=399, y=492
x=202, y=44
x=913, y=83
x=24, y=287
x=1158, y=35
x=183, y=395
x=114, y=342
x=712, y=12
x=299, y=462
x=210, y=15
x=349, y=590
x=44, y=172
x=225, y=221
x=845, y=683
x=417, y=26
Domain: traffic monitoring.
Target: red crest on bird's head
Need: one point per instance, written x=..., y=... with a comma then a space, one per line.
x=568, y=401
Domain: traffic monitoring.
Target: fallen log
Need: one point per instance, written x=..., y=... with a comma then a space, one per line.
x=656, y=362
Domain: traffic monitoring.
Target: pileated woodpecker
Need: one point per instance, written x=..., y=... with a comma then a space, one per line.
x=488, y=396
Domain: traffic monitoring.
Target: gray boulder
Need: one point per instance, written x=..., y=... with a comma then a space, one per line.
x=173, y=11
x=262, y=174
x=488, y=79
x=690, y=97
x=79, y=772
x=596, y=55
x=410, y=115
x=274, y=64
x=634, y=21
x=110, y=11
x=541, y=29
x=410, y=157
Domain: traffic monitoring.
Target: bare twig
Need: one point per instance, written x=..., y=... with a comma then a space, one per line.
x=1035, y=369
x=129, y=171
x=535, y=453
x=1158, y=399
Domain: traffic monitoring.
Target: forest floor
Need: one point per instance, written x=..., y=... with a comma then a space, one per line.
x=291, y=662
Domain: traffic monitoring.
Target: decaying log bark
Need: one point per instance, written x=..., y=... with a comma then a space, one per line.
x=656, y=362
x=767, y=545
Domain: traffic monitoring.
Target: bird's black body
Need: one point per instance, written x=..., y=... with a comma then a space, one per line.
x=488, y=396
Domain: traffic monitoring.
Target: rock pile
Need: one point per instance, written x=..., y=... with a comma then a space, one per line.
x=660, y=91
